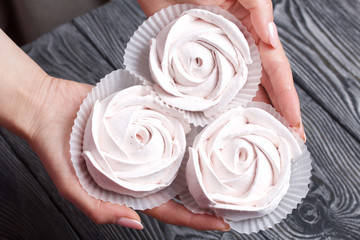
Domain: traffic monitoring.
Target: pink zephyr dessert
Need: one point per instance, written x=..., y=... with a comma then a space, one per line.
x=243, y=164
x=201, y=67
x=125, y=147
x=132, y=145
x=200, y=60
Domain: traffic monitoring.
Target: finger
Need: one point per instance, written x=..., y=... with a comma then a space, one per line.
x=269, y=91
x=280, y=85
x=301, y=131
x=151, y=7
x=261, y=15
x=98, y=211
x=261, y=95
x=265, y=82
x=176, y=214
x=69, y=187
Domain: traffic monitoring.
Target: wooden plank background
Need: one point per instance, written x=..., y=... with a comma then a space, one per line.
x=321, y=39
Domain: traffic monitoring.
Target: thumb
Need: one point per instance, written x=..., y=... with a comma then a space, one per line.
x=97, y=210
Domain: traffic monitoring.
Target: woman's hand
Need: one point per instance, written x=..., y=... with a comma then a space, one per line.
x=277, y=86
x=50, y=137
x=42, y=109
x=50, y=140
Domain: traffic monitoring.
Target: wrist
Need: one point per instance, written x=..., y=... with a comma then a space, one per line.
x=22, y=87
x=23, y=105
x=29, y=116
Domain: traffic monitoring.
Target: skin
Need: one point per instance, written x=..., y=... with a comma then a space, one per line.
x=41, y=109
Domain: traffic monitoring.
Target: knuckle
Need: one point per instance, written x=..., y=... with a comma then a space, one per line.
x=164, y=217
x=288, y=90
x=163, y=214
x=191, y=223
x=260, y=4
x=194, y=222
x=268, y=4
x=276, y=65
x=96, y=214
x=95, y=217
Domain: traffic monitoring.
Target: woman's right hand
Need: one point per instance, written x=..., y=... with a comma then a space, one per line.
x=41, y=109
x=277, y=86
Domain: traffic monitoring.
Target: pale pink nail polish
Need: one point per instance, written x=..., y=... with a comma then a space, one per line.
x=274, y=36
x=129, y=223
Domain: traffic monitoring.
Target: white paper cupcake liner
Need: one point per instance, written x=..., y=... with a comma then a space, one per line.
x=299, y=186
x=111, y=83
x=136, y=55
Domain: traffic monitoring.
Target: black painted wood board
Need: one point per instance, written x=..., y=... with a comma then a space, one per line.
x=322, y=41
x=26, y=210
x=109, y=29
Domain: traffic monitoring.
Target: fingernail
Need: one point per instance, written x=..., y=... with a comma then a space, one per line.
x=297, y=127
x=129, y=223
x=226, y=227
x=274, y=37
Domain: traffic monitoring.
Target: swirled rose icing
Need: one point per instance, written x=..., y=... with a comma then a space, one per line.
x=132, y=145
x=199, y=61
x=239, y=165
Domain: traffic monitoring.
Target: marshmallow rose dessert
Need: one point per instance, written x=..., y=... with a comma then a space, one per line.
x=133, y=145
x=240, y=164
x=199, y=61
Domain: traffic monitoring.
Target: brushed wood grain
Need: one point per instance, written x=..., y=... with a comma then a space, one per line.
x=109, y=28
x=16, y=152
x=332, y=206
x=66, y=53
x=321, y=39
x=26, y=211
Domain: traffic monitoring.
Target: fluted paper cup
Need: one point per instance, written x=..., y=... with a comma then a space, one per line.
x=110, y=84
x=136, y=56
x=298, y=187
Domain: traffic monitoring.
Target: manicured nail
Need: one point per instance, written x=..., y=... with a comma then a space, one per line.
x=226, y=227
x=223, y=226
x=297, y=127
x=274, y=37
x=130, y=223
